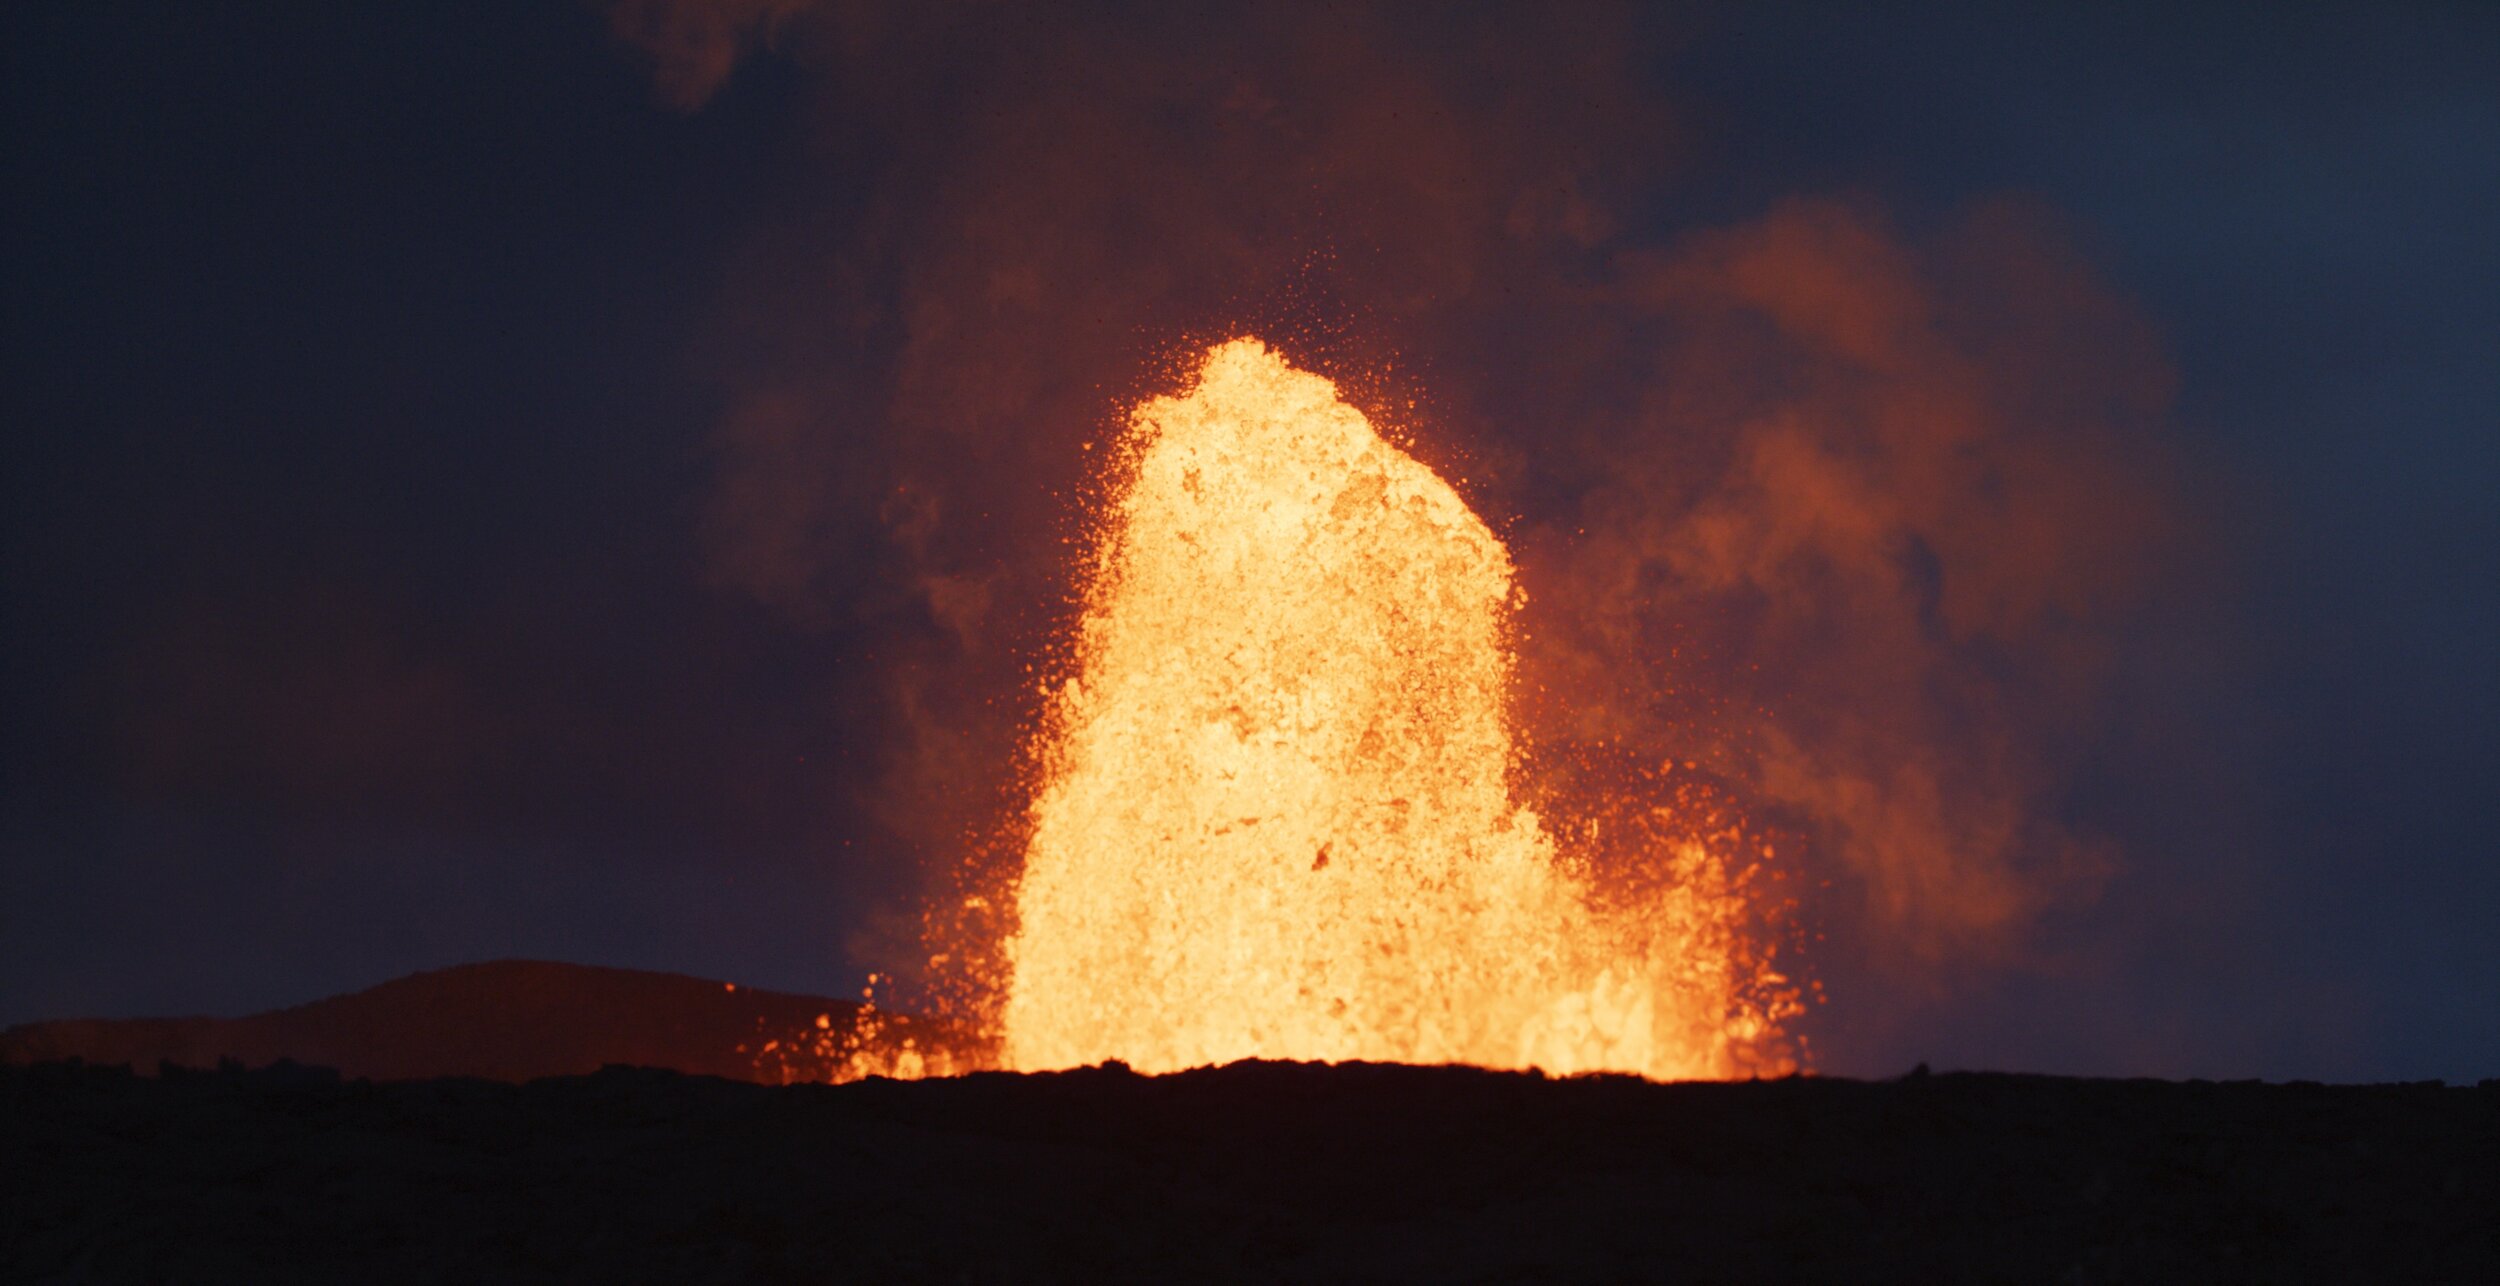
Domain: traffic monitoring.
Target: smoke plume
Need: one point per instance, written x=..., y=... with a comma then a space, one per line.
x=1846, y=517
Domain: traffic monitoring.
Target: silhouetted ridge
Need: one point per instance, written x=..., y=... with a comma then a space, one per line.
x=506, y=1020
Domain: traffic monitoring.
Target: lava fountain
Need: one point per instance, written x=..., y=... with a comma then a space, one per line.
x=1275, y=814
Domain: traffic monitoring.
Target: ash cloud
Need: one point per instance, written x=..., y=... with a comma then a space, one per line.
x=1917, y=490
x=1850, y=511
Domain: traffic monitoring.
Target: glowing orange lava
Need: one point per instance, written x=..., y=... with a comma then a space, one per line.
x=1276, y=815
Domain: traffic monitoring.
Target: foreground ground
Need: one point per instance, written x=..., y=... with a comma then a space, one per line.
x=1256, y=1172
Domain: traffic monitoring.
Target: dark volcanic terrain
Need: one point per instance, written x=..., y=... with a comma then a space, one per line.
x=505, y=1020
x=1255, y=1172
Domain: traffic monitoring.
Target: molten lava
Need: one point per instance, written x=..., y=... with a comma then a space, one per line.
x=1276, y=817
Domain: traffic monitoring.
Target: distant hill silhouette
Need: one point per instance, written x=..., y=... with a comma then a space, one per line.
x=505, y=1020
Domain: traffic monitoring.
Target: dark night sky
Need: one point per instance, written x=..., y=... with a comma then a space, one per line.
x=364, y=367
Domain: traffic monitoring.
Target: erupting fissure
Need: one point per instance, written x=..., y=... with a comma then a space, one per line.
x=1275, y=815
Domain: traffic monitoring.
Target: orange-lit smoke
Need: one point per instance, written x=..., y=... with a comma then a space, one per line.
x=1842, y=520
x=1892, y=508
x=1277, y=817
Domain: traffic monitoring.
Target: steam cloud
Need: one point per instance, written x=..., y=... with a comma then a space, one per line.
x=1849, y=518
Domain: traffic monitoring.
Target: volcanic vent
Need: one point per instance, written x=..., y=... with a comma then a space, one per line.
x=1276, y=815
